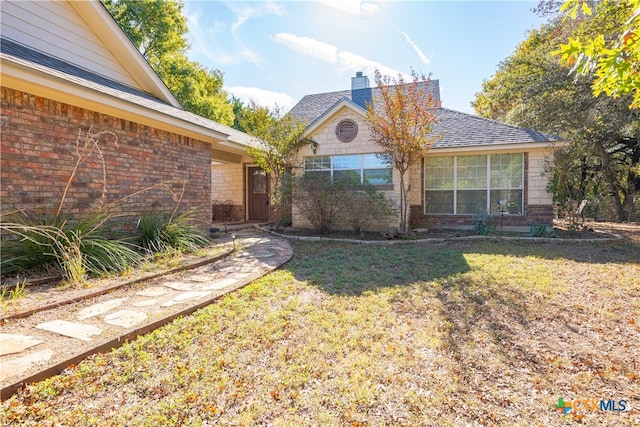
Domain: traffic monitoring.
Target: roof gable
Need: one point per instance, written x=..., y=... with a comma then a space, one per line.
x=84, y=35
x=310, y=107
x=337, y=108
x=453, y=129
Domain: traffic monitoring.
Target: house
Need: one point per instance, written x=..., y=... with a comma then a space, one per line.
x=474, y=164
x=66, y=69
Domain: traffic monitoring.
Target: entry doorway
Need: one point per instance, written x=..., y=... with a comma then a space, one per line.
x=258, y=198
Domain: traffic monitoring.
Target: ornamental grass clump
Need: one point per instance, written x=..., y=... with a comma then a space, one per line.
x=163, y=232
x=73, y=247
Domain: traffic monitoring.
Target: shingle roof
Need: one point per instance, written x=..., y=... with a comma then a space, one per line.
x=465, y=130
x=56, y=67
x=310, y=107
x=17, y=50
x=456, y=129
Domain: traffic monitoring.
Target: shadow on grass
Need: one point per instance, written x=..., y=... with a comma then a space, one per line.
x=351, y=269
x=470, y=301
x=348, y=269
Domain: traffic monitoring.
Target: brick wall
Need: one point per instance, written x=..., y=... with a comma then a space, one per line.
x=39, y=153
x=534, y=215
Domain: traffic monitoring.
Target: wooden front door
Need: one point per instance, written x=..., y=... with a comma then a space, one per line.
x=258, y=195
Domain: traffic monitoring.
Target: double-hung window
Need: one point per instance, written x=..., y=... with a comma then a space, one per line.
x=464, y=185
x=362, y=168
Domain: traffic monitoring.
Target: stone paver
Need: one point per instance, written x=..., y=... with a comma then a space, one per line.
x=21, y=355
x=125, y=318
x=100, y=308
x=153, y=291
x=78, y=331
x=15, y=343
x=220, y=284
x=185, y=296
x=179, y=286
x=145, y=302
x=21, y=364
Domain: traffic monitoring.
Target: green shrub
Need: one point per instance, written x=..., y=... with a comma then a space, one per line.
x=320, y=200
x=161, y=232
x=483, y=223
x=539, y=230
x=365, y=205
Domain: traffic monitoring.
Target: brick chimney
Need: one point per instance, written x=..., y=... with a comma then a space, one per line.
x=360, y=90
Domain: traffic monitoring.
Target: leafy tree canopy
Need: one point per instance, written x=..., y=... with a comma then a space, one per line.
x=401, y=122
x=531, y=88
x=607, y=45
x=158, y=28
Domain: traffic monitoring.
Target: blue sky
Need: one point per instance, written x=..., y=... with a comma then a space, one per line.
x=279, y=51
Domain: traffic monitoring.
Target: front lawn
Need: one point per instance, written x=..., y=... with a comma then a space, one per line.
x=465, y=333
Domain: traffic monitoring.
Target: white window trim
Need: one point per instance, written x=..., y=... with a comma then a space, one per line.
x=488, y=188
x=361, y=169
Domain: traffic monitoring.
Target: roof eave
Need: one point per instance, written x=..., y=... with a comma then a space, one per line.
x=19, y=77
x=507, y=146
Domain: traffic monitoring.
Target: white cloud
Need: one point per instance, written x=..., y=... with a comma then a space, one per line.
x=354, y=62
x=366, y=9
x=246, y=11
x=421, y=54
x=203, y=41
x=329, y=53
x=309, y=46
x=262, y=97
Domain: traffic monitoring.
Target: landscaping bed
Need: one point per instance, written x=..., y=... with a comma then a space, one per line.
x=587, y=231
x=34, y=290
x=456, y=333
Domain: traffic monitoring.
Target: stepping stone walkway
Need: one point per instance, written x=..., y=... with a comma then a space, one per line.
x=33, y=345
x=69, y=329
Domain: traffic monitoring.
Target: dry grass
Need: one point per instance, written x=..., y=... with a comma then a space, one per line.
x=474, y=333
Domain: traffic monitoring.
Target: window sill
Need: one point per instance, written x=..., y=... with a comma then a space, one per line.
x=495, y=215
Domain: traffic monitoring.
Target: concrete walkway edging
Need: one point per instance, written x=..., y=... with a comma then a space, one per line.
x=615, y=237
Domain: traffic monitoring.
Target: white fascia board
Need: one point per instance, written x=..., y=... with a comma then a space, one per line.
x=233, y=146
x=21, y=78
x=107, y=29
x=508, y=147
x=342, y=103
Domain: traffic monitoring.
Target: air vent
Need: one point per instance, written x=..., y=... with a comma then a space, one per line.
x=346, y=130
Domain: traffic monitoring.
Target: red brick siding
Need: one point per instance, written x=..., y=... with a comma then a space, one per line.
x=38, y=156
x=534, y=214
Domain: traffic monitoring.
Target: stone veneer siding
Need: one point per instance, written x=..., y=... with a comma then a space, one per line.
x=538, y=208
x=38, y=155
x=330, y=145
x=227, y=184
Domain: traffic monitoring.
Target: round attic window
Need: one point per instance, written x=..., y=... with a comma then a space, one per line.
x=346, y=130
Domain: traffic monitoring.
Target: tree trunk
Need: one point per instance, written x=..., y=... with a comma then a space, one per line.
x=612, y=184
x=403, y=206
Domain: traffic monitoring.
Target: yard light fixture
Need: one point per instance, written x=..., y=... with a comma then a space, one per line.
x=503, y=205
